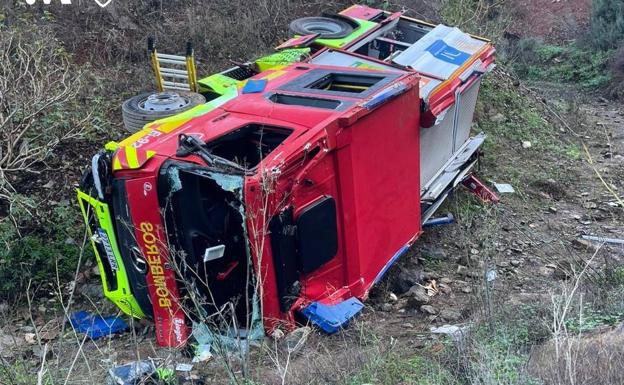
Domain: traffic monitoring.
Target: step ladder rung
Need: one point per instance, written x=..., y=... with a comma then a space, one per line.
x=176, y=84
x=176, y=62
x=172, y=57
x=175, y=76
x=178, y=88
x=173, y=71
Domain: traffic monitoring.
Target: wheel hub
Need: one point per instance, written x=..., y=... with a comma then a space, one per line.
x=164, y=101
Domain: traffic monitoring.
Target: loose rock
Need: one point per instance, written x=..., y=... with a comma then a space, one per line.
x=417, y=296
x=428, y=309
x=407, y=277
x=450, y=315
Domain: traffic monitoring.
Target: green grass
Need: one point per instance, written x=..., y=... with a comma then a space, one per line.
x=38, y=256
x=396, y=369
x=571, y=63
x=510, y=117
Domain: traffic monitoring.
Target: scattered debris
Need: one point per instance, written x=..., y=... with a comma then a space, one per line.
x=202, y=353
x=615, y=241
x=462, y=270
x=296, y=339
x=137, y=372
x=456, y=332
x=428, y=309
x=96, y=326
x=182, y=367
x=526, y=144
x=504, y=188
x=393, y=297
x=491, y=275
x=30, y=338
x=431, y=288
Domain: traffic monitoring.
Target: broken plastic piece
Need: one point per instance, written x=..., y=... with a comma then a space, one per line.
x=202, y=353
x=331, y=318
x=479, y=189
x=254, y=86
x=504, y=188
x=456, y=332
x=133, y=373
x=182, y=367
x=96, y=326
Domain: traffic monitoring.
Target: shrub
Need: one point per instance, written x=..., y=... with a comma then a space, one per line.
x=617, y=68
x=40, y=256
x=607, y=23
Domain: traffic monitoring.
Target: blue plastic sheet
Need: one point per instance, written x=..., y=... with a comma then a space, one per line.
x=96, y=326
x=331, y=318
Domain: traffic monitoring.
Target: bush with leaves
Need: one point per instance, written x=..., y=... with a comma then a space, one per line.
x=607, y=23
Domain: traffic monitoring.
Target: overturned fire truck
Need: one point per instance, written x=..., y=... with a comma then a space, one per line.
x=286, y=194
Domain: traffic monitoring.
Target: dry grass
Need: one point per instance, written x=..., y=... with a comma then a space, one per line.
x=595, y=359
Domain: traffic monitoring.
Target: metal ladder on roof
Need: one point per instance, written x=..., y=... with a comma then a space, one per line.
x=173, y=72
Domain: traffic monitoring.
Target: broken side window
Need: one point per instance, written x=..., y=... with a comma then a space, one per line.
x=248, y=145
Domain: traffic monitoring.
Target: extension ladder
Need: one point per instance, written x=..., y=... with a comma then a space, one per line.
x=173, y=72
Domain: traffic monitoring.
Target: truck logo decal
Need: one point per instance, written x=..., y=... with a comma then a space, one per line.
x=103, y=240
x=150, y=244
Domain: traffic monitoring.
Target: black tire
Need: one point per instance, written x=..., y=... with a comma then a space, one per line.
x=135, y=117
x=328, y=28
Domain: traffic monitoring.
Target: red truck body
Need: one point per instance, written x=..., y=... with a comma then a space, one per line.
x=307, y=188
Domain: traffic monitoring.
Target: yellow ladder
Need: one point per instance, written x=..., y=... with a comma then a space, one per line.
x=173, y=72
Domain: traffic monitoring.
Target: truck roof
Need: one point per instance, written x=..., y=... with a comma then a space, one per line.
x=294, y=100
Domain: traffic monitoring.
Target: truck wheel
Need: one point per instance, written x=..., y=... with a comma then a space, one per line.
x=328, y=28
x=145, y=108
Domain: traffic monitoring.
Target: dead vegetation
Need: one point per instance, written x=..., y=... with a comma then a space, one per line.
x=36, y=80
